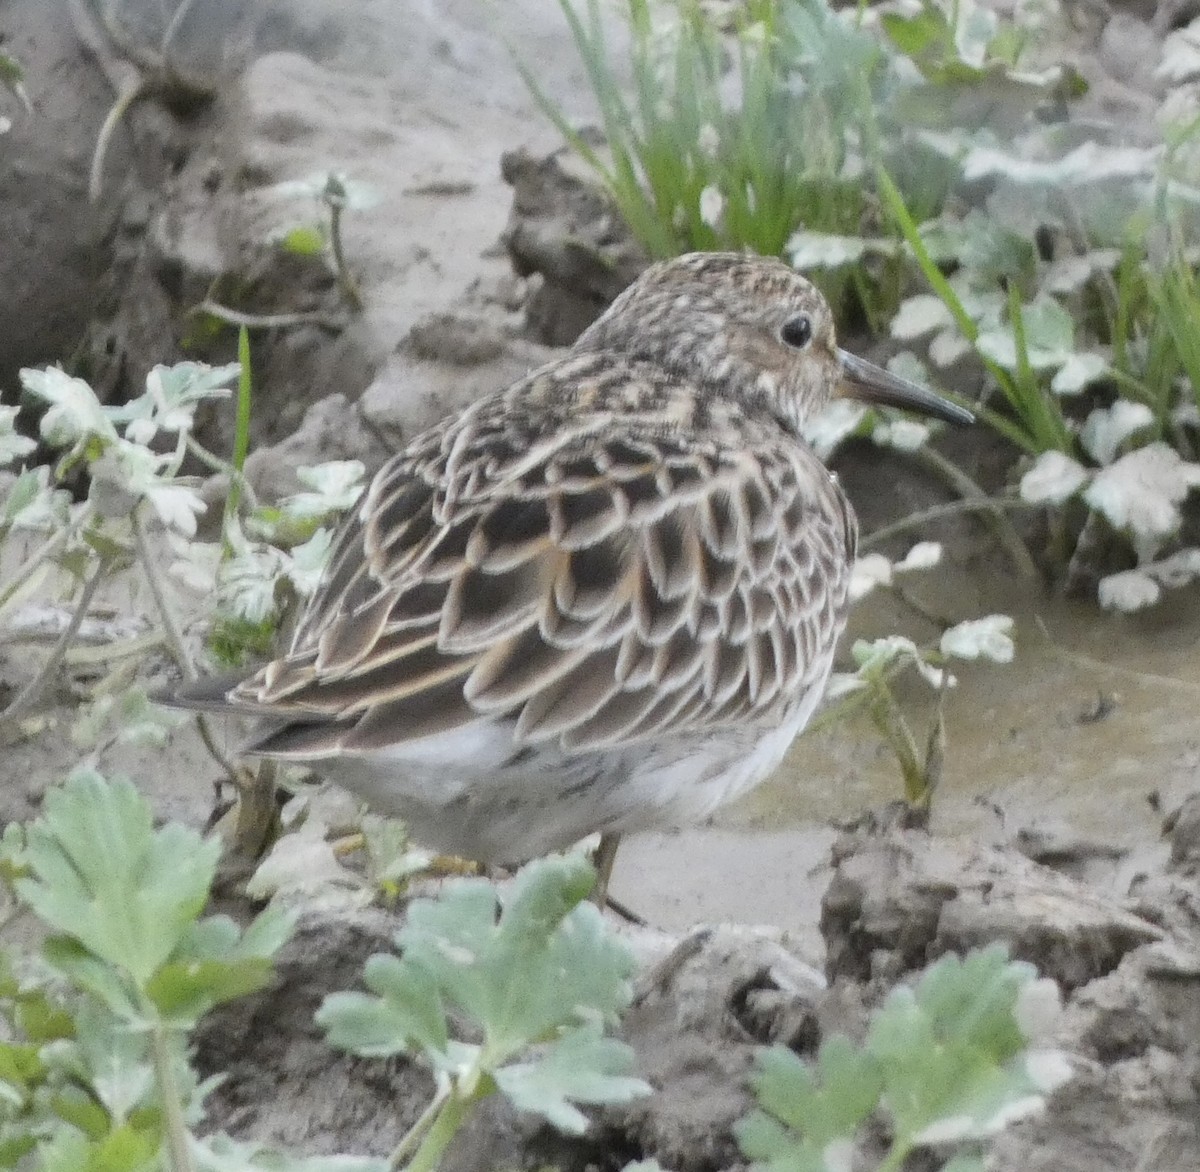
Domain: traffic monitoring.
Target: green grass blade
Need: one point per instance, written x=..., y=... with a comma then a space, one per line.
x=241, y=436
x=894, y=203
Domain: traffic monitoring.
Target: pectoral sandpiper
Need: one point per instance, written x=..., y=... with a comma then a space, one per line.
x=603, y=599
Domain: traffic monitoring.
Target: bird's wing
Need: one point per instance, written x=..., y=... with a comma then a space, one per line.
x=599, y=585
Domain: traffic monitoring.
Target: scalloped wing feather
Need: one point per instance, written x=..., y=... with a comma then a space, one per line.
x=592, y=590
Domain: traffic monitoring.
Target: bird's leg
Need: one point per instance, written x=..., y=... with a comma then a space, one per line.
x=602, y=860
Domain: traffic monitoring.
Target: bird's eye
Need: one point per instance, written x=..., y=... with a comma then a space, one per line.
x=797, y=331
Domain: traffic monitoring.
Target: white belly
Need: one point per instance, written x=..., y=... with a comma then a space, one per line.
x=473, y=793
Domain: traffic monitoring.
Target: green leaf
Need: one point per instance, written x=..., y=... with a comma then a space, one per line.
x=101, y=874
x=95, y=976
x=113, y=1061
x=580, y=1067
x=217, y=962
x=947, y=1049
x=21, y=1068
x=920, y=35
x=406, y=1011
x=125, y=1149
x=547, y=959
x=947, y=1059
x=804, y=1108
x=306, y=240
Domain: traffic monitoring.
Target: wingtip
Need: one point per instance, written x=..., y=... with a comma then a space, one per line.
x=207, y=694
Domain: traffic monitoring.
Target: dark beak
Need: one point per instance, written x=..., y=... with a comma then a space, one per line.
x=864, y=380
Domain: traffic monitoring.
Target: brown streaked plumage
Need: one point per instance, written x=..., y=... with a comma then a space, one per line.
x=603, y=599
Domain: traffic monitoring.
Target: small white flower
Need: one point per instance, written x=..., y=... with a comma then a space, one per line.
x=1053, y=478
x=1079, y=371
x=923, y=556
x=986, y=638
x=948, y=347
x=74, y=414
x=712, y=206
x=307, y=562
x=1128, y=591
x=1107, y=428
x=905, y=435
x=824, y=250
x=335, y=485
x=13, y=446
x=141, y=431
x=877, y=653
x=869, y=571
x=708, y=140
x=837, y=420
x=127, y=471
x=1141, y=492
x=920, y=315
x=1179, y=569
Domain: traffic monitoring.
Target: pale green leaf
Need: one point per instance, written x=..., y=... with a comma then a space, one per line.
x=1053, y=478
x=1079, y=372
x=986, y=638
x=1107, y=428
x=74, y=414
x=102, y=874
x=1141, y=492
x=579, y=1067
x=13, y=446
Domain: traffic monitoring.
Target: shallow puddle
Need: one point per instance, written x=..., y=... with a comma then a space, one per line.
x=1078, y=734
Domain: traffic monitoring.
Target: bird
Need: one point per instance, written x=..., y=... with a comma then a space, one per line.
x=603, y=599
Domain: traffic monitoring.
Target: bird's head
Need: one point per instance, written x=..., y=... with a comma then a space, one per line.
x=751, y=327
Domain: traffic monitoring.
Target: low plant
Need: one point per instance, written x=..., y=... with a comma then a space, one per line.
x=94, y=1067
x=331, y=194
x=95, y=1071
x=879, y=661
x=763, y=133
x=534, y=978
x=1102, y=403
x=947, y=1063
x=128, y=460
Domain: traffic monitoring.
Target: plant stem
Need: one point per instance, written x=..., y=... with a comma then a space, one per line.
x=1002, y=527
x=165, y=613
x=887, y=717
x=175, y=641
x=32, y=692
x=414, y=1134
x=125, y=99
x=346, y=280
x=164, y=1075
x=450, y=1117
x=47, y=550
x=241, y=438
x=985, y=504
x=265, y=321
